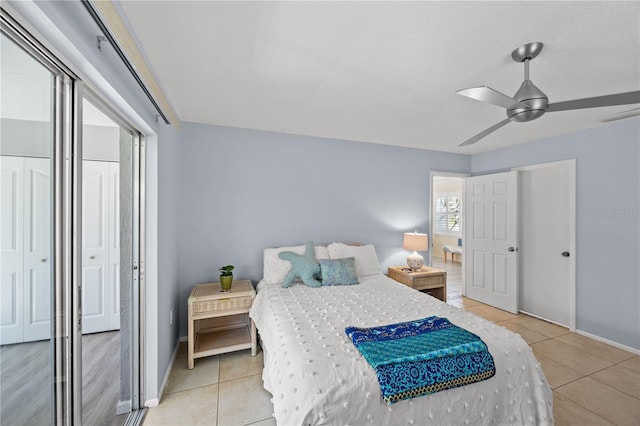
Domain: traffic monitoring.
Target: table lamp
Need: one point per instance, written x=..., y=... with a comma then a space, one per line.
x=416, y=242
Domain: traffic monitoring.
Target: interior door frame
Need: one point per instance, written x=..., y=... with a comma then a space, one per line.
x=462, y=176
x=571, y=164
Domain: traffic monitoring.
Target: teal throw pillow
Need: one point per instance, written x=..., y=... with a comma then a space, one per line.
x=304, y=266
x=339, y=271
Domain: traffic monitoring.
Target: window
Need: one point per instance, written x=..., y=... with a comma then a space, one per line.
x=447, y=214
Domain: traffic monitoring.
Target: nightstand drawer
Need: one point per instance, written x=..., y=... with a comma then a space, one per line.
x=425, y=282
x=222, y=305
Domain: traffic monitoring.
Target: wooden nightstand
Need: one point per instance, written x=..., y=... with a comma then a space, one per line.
x=219, y=321
x=429, y=280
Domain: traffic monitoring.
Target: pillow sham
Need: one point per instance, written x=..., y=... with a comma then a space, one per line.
x=338, y=271
x=275, y=269
x=366, y=258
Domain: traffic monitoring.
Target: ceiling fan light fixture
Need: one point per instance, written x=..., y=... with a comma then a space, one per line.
x=529, y=94
x=530, y=103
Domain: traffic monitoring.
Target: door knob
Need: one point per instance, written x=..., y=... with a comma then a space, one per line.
x=512, y=249
x=92, y=257
x=43, y=260
x=565, y=254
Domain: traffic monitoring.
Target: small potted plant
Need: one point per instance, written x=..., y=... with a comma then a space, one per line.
x=226, y=277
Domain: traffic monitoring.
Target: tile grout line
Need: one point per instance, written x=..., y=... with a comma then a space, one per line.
x=186, y=390
x=590, y=353
x=608, y=385
x=581, y=406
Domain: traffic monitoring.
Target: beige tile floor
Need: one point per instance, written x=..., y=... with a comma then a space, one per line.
x=593, y=383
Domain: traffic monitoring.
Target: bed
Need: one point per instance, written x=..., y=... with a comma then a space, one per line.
x=317, y=376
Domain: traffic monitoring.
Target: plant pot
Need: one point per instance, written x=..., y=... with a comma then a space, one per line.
x=226, y=281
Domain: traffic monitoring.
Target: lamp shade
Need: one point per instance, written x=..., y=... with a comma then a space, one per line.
x=416, y=242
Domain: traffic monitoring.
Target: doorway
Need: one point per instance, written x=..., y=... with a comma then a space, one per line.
x=521, y=241
x=447, y=226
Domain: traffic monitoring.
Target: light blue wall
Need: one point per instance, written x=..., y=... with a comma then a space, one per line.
x=607, y=221
x=244, y=190
x=168, y=255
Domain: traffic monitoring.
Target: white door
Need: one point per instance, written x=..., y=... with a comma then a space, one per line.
x=37, y=249
x=95, y=248
x=547, y=245
x=11, y=249
x=491, y=239
x=114, y=247
x=26, y=246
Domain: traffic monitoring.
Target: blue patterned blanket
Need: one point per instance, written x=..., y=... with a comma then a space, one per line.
x=424, y=356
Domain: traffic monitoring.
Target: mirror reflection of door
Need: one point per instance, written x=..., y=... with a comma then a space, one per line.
x=100, y=220
x=107, y=242
x=26, y=354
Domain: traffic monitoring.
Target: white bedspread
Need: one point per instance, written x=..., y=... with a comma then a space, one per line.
x=317, y=376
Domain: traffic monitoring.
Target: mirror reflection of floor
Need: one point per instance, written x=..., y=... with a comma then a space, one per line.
x=25, y=369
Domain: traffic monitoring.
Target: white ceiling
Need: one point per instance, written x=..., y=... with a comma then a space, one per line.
x=386, y=72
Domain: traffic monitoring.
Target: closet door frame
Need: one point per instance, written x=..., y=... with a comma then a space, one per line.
x=68, y=92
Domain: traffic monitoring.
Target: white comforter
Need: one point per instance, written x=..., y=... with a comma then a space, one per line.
x=317, y=376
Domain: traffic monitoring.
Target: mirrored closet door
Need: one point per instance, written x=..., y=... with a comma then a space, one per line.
x=71, y=244
x=26, y=219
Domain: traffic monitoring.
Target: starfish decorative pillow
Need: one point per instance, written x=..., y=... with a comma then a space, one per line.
x=304, y=266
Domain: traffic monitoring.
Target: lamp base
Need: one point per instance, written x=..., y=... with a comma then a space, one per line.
x=415, y=261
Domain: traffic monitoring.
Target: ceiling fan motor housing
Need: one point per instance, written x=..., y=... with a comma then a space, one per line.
x=529, y=94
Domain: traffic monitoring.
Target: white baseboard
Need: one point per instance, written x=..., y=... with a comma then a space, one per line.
x=154, y=402
x=123, y=407
x=609, y=342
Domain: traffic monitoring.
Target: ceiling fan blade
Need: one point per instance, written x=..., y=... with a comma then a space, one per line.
x=596, y=102
x=484, y=133
x=491, y=96
x=621, y=115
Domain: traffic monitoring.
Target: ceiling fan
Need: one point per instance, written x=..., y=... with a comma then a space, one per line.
x=529, y=102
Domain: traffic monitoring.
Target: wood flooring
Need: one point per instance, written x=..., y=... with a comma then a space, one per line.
x=26, y=384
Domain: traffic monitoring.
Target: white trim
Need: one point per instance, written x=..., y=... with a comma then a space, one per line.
x=155, y=401
x=150, y=403
x=609, y=342
x=150, y=354
x=571, y=164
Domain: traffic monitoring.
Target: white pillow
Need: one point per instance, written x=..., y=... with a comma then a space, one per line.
x=275, y=269
x=366, y=258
